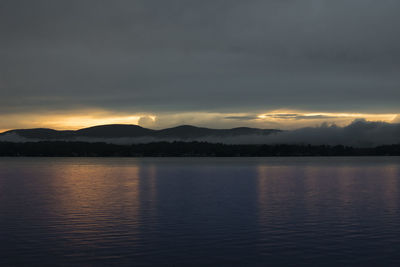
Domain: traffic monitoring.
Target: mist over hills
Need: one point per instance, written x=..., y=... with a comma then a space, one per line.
x=359, y=133
x=124, y=133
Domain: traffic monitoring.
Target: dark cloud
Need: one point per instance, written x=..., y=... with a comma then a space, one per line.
x=284, y=116
x=295, y=116
x=242, y=118
x=220, y=55
x=312, y=117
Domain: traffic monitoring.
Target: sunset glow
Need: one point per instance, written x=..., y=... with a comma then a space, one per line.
x=283, y=119
x=299, y=115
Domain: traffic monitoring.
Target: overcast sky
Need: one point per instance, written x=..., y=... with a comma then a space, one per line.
x=237, y=58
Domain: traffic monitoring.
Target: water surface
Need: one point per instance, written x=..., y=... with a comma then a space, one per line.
x=200, y=211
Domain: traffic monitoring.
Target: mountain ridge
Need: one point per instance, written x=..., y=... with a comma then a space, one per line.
x=135, y=131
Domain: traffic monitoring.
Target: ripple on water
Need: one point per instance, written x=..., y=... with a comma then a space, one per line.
x=225, y=212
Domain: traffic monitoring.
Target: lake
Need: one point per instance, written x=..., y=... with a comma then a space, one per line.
x=200, y=211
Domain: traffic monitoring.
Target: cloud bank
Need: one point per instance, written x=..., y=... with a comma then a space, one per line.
x=154, y=56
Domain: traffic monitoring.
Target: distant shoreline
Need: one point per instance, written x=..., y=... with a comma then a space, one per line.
x=185, y=149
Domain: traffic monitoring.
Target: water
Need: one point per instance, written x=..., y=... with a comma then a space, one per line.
x=200, y=211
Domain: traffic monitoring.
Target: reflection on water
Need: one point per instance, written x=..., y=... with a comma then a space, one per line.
x=88, y=199
x=347, y=211
x=293, y=211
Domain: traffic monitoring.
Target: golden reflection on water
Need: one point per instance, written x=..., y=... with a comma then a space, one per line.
x=88, y=188
x=274, y=189
x=90, y=196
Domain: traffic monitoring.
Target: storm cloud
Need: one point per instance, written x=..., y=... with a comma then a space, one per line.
x=211, y=55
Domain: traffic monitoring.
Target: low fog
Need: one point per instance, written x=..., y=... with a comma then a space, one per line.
x=360, y=133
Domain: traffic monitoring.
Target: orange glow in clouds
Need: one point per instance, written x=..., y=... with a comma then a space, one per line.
x=66, y=121
x=296, y=115
x=282, y=119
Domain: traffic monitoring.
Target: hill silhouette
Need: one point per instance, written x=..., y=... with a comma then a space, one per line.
x=135, y=131
x=181, y=141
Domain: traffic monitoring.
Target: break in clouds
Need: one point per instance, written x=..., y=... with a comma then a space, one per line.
x=155, y=56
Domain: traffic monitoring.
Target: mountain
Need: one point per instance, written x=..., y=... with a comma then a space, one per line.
x=40, y=133
x=114, y=131
x=358, y=134
x=183, y=132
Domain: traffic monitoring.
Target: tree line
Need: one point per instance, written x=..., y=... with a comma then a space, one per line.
x=185, y=149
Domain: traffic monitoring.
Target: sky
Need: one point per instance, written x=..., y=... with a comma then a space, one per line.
x=215, y=63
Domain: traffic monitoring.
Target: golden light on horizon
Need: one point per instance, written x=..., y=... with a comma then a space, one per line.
x=68, y=121
x=282, y=119
x=87, y=121
x=336, y=117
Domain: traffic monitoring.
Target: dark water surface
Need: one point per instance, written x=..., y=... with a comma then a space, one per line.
x=200, y=211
